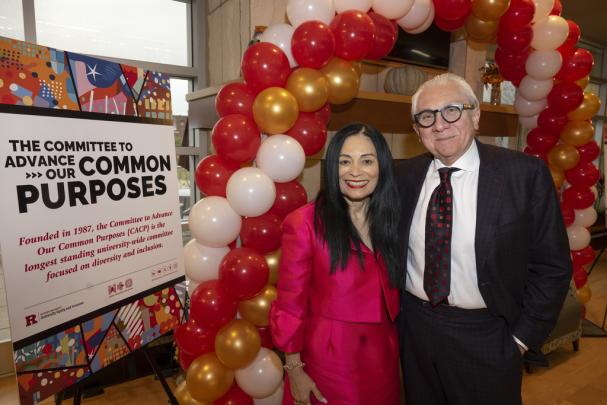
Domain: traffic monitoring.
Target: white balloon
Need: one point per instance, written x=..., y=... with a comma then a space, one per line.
x=202, y=262
x=392, y=9
x=192, y=286
x=527, y=108
x=213, y=222
x=425, y=25
x=417, y=15
x=250, y=192
x=579, y=237
x=262, y=377
x=528, y=122
x=281, y=157
x=300, y=11
x=274, y=399
x=542, y=9
x=280, y=35
x=534, y=89
x=543, y=65
x=345, y=5
x=550, y=33
x=585, y=217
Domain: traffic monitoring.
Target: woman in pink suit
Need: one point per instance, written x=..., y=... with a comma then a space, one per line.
x=338, y=281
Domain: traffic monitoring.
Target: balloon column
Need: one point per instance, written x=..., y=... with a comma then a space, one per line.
x=278, y=115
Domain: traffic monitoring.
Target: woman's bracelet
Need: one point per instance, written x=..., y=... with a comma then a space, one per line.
x=294, y=365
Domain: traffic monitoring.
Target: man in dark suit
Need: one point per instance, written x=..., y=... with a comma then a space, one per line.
x=487, y=256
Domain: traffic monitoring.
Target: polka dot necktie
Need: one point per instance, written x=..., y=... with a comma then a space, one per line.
x=437, y=271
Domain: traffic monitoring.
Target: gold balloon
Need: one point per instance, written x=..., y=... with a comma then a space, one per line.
x=584, y=294
x=257, y=309
x=577, y=133
x=588, y=109
x=358, y=66
x=489, y=10
x=207, y=378
x=184, y=398
x=273, y=259
x=480, y=30
x=343, y=80
x=275, y=110
x=237, y=343
x=310, y=88
x=583, y=82
x=563, y=156
x=558, y=176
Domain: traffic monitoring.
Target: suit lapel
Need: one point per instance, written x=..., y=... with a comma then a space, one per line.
x=489, y=199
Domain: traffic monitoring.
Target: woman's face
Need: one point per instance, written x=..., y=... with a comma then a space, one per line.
x=358, y=168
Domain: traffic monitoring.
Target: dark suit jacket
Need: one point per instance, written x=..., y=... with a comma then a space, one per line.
x=522, y=251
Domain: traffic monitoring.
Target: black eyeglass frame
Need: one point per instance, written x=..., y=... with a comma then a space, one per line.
x=460, y=106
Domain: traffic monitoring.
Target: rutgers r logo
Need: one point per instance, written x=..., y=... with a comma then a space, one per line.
x=30, y=320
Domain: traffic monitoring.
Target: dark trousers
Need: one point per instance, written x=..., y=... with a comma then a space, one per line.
x=457, y=356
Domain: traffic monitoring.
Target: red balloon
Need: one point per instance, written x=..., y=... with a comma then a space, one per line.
x=452, y=9
x=583, y=256
x=264, y=65
x=235, y=98
x=583, y=175
x=385, y=36
x=211, y=306
x=515, y=41
x=323, y=115
x=212, y=175
x=575, y=66
x=235, y=396
x=266, y=337
x=565, y=97
x=236, y=138
x=578, y=197
x=580, y=277
x=540, y=140
x=309, y=132
x=540, y=155
x=185, y=360
x=193, y=339
x=557, y=8
x=511, y=65
x=312, y=44
x=243, y=272
x=519, y=14
x=588, y=152
x=450, y=25
x=568, y=213
x=289, y=196
x=353, y=31
x=261, y=233
x=551, y=120
x=568, y=46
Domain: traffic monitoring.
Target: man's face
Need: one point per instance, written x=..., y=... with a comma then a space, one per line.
x=446, y=141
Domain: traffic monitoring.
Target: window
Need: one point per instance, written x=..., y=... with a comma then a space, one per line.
x=147, y=30
x=11, y=19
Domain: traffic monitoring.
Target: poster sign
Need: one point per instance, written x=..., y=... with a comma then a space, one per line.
x=90, y=216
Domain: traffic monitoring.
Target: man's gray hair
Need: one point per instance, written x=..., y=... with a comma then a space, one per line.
x=442, y=80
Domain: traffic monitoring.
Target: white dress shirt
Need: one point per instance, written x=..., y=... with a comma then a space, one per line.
x=464, y=291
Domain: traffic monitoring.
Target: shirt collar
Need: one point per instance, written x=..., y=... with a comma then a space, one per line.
x=469, y=161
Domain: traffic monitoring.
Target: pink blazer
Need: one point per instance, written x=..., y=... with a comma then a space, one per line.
x=306, y=287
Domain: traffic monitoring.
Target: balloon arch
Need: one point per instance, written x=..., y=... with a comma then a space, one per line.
x=290, y=79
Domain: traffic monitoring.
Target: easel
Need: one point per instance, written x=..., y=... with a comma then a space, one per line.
x=59, y=397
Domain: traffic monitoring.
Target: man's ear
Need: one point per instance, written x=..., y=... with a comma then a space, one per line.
x=476, y=116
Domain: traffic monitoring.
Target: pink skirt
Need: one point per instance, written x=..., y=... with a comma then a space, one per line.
x=351, y=363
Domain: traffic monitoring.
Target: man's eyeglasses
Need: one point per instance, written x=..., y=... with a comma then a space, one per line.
x=451, y=113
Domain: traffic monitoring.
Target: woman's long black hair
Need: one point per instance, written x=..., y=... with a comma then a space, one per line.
x=332, y=220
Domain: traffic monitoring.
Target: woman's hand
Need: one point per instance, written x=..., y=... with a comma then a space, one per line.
x=302, y=385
